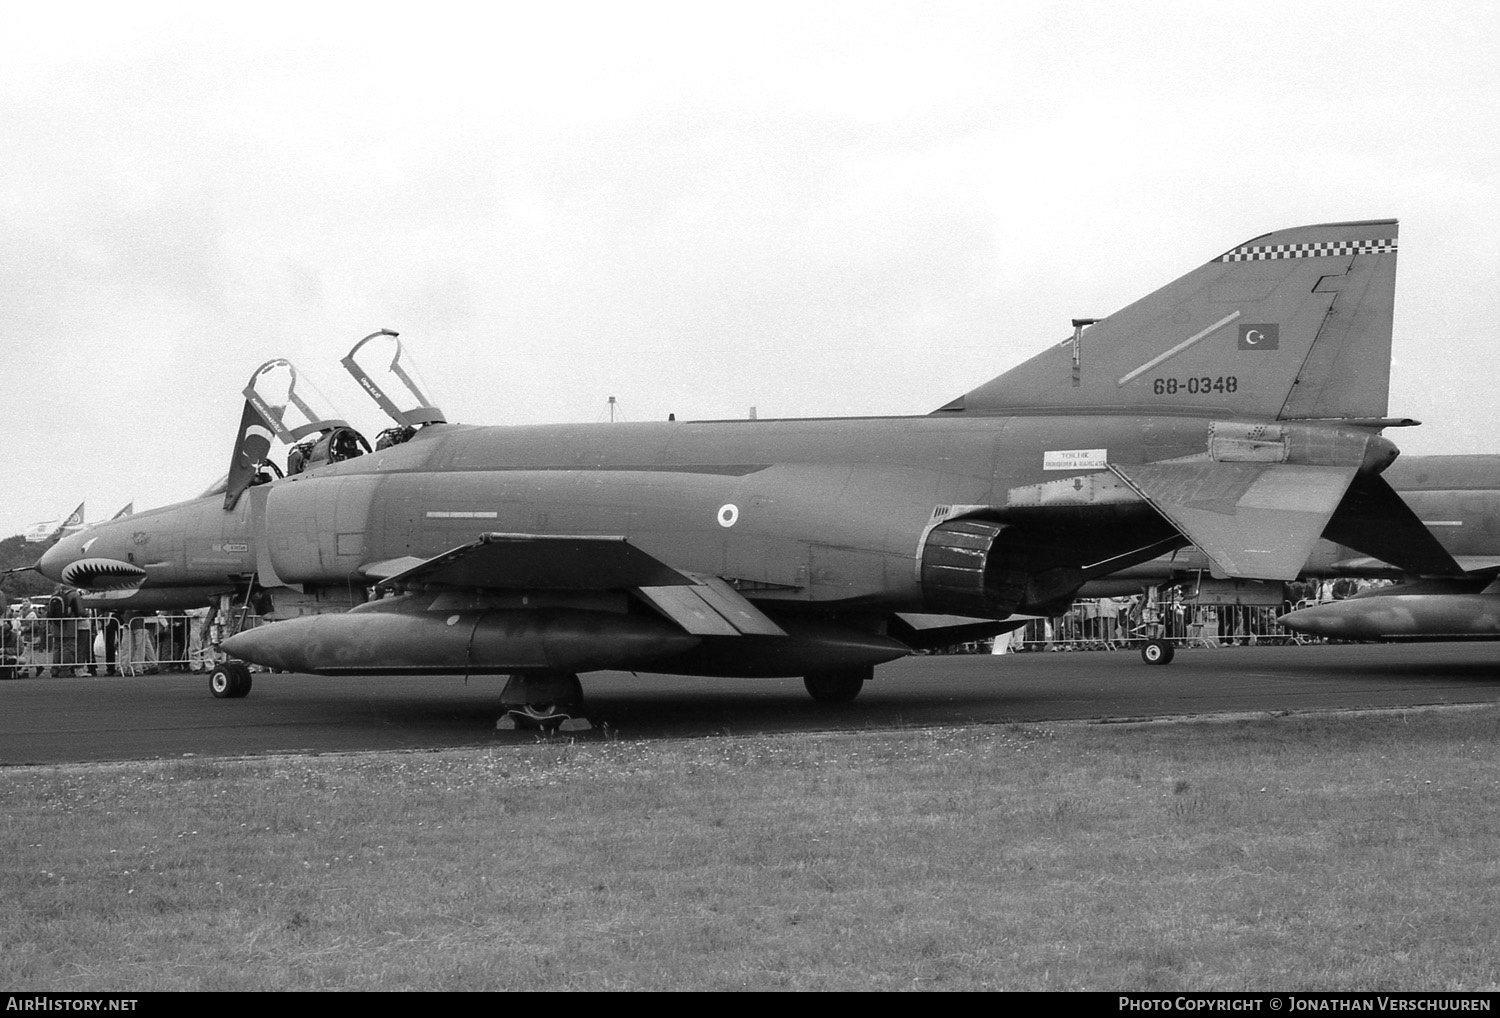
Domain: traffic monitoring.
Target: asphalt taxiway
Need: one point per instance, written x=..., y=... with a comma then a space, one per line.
x=61, y=720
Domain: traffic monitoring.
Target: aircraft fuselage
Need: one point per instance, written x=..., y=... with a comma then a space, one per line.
x=801, y=510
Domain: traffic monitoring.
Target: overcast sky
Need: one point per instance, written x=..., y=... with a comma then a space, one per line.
x=813, y=209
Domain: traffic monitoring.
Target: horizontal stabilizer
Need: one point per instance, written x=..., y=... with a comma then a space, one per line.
x=541, y=562
x=1252, y=520
x=1373, y=519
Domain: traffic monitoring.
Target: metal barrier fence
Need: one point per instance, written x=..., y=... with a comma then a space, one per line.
x=105, y=645
x=147, y=644
x=1103, y=625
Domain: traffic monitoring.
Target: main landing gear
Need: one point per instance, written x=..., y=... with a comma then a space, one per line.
x=838, y=686
x=549, y=703
x=230, y=680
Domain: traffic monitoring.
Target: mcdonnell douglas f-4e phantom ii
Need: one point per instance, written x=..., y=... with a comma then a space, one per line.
x=1238, y=408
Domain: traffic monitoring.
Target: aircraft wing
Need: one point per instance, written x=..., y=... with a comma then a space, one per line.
x=1478, y=563
x=540, y=562
x=1470, y=565
x=1252, y=520
x=701, y=605
x=710, y=607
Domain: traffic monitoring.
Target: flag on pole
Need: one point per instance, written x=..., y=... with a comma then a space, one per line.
x=73, y=522
x=50, y=530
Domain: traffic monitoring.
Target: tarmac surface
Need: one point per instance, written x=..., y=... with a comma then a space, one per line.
x=65, y=720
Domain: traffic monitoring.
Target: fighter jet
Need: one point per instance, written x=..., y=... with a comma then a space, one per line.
x=1238, y=409
x=1456, y=497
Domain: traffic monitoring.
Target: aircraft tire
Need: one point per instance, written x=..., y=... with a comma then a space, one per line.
x=557, y=693
x=1157, y=652
x=229, y=681
x=840, y=686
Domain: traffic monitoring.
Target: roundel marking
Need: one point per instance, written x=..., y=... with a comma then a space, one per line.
x=729, y=514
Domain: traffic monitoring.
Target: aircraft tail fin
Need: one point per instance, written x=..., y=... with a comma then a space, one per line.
x=1293, y=325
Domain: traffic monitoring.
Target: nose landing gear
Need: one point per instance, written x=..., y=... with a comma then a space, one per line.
x=230, y=680
x=1157, y=652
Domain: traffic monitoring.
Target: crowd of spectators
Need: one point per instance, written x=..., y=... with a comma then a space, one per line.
x=56, y=636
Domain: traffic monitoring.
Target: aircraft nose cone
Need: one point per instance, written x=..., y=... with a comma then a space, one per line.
x=58, y=557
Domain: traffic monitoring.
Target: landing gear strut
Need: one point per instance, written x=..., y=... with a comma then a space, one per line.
x=840, y=686
x=230, y=680
x=545, y=702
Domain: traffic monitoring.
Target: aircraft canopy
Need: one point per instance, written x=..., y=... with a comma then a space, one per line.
x=291, y=405
x=382, y=368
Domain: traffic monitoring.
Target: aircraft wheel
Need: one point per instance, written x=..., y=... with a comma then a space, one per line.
x=837, y=686
x=1156, y=652
x=557, y=693
x=547, y=702
x=230, y=680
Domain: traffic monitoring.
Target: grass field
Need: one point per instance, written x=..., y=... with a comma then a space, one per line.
x=1304, y=852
